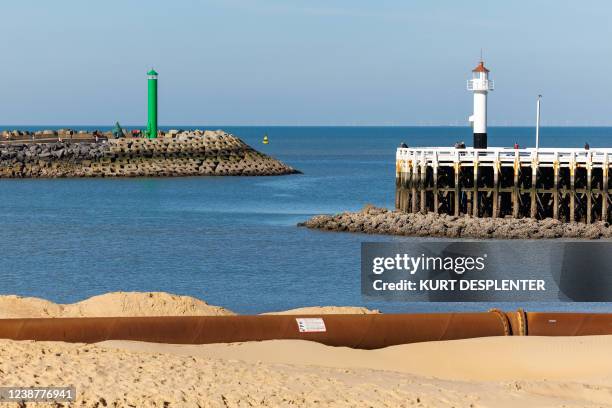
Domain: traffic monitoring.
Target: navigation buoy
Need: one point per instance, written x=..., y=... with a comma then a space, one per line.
x=265, y=139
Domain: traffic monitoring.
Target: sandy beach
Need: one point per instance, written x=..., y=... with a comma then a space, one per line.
x=493, y=372
x=483, y=372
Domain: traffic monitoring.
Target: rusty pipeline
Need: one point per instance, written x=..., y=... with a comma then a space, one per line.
x=370, y=331
x=569, y=324
x=358, y=331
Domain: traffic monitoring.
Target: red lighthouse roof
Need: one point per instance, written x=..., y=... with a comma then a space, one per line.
x=480, y=67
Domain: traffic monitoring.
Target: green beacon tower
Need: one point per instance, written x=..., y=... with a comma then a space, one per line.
x=152, y=124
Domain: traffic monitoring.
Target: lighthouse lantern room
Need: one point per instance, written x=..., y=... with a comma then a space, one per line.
x=480, y=85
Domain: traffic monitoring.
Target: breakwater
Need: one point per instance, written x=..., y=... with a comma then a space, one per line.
x=178, y=153
x=373, y=220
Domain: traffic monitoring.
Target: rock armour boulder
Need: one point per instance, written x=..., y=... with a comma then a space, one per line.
x=372, y=220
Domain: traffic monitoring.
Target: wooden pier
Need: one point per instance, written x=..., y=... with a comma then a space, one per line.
x=564, y=184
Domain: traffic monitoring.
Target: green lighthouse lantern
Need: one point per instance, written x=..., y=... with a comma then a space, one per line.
x=152, y=124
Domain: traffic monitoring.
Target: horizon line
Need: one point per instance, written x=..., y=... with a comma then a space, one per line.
x=172, y=126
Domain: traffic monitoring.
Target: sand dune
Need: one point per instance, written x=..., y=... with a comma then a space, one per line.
x=138, y=304
x=111, y=304
x=494, y=372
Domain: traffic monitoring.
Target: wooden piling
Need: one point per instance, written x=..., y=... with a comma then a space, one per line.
x=400, y=181
x=414, y=181
x=604, y=188
x=572, y=216
x=457, y=168
x=422, y=184
x=534, y=178
x=516, y=189
x=556, y=187
x=496, y=169
x=436, y=204
x=475, y=211
x=407, y=197
x=589, y=191
x=398, y=184
x=468, y=202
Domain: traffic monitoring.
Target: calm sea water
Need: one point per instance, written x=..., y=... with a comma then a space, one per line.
x=230, y=241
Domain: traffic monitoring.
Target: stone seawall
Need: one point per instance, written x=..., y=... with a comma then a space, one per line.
x=194, y=153
x=372, y=220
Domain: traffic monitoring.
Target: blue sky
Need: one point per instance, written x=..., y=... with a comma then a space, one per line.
x=303, y=62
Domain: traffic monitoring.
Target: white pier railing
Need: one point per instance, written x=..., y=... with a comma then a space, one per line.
x=543, y=157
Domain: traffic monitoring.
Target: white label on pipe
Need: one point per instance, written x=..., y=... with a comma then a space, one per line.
x=310, y=324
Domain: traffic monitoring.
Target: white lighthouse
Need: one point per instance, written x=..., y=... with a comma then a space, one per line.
x=480, y=85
